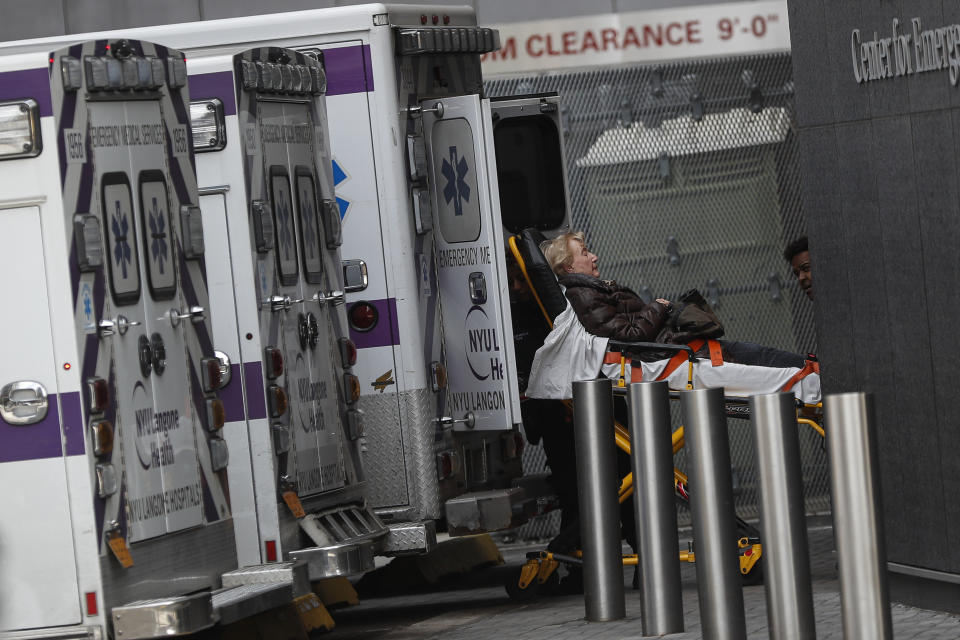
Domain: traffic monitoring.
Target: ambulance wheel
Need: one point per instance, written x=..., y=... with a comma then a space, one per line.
x=755, y=575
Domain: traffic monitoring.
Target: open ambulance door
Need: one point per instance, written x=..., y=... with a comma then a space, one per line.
x=471, y=272
x=528, y=136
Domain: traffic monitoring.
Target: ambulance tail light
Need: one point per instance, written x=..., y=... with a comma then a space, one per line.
x=106, y=480
x=91, y=599
x=219, y=454
x=191, y=228
x=71, y=73
x=210, y=369
x=273, y=359
x=98, y=395
x=447, y=40
x=438, y=376
x=348, y=352
x=270, y=546
x=277, y=398
x=216, y=414
x=101, y=437
x=88, y=241
x=19, y=129
x=363, y=316
x=208, y=125
x=281, y=438
x=351, y=387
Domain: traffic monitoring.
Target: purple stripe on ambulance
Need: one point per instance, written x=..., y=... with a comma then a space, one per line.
x=253, y=385
x=72, y=422
x=385, y=333
x=28, y=83
x=32, y=441
x=204, y=86
x=232, y=396
x=348, y=70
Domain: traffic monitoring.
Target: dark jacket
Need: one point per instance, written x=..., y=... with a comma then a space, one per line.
x=610, y=311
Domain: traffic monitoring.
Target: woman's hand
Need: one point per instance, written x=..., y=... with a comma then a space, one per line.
x=665, y=303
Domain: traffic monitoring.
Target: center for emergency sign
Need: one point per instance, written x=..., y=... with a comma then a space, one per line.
x=457, y=188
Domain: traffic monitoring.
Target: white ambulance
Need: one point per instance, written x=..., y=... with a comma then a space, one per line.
x=116, y=500
x=416, y=180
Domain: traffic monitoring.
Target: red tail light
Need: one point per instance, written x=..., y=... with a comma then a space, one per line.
x=98, y=394
x=348, y=352
x=273, y=358
x=91, y=597
x=271, y=548
x=212, y=377
x=363, y=316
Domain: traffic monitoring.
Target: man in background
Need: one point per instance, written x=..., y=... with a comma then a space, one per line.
x=797, y=254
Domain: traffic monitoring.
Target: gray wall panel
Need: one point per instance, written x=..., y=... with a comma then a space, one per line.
x=920, y=502
x=813, y=107
x=888, y=241
x=821, y=194
x=31, y=19
x=214, y=9
x=82, y=16
x=844, y=93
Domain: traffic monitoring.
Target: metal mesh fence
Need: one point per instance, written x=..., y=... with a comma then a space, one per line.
x=686, y=175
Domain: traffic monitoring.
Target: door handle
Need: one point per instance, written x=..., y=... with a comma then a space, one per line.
x=448, y=422
x=281, y=303
x=23, y=402
x=333, y=297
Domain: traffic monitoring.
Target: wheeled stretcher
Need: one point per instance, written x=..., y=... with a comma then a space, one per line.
x=571, y=353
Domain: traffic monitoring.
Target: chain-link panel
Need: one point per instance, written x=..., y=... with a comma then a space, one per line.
x=686, y=175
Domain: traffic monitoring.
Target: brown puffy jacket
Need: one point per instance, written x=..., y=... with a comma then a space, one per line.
x=610, y=311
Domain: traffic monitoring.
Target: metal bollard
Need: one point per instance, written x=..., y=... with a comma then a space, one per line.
x=651, y=454
x=599, y=507
x=711, y=503
x=857, y=517
x=785, y=550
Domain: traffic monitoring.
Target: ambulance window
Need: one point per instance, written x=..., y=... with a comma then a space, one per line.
x=157, y=238
x=124, y=265
x=283, y=224
x=530, y=173
x=311, y=234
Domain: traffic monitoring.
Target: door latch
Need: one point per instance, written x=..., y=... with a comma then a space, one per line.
x=448, y=422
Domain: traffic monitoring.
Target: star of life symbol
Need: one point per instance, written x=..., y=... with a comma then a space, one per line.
x=286, y=238
x=121, y=250
x=87, y=302
x=307, y=220
x=456, y=188
x=158, y=246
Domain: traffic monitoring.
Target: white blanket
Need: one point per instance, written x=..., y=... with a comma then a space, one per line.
x=570, y=354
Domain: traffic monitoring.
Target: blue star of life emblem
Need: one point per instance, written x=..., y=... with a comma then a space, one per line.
x=339, y=175
x=87, y=303
x=456, y=188
x=121, y=250
x=158, y=245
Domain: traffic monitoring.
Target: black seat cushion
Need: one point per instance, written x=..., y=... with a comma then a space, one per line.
x=541, y=276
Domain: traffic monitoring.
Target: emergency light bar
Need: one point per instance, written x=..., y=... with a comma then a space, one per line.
x=105, y=73
x=19, y=129
x=276, y=77
x=447, y=40
x=207, y=123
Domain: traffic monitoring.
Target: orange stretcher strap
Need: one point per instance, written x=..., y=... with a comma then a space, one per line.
x=809, y=367
x=614, y=357
x=679, y=358
x=716, y=353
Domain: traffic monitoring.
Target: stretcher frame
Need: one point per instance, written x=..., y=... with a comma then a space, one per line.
x=540, y=569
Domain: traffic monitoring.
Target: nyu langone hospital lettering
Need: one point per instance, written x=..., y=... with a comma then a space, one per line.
x=903, y=54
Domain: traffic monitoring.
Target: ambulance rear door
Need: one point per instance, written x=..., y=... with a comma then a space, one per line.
x=471, y=272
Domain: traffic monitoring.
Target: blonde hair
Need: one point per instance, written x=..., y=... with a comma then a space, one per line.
x=557, y=251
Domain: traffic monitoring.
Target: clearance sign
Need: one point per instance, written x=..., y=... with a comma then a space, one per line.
x=640, y=36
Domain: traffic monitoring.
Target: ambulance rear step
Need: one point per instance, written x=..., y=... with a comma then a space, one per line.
x=493, y=510
x=409, y=538
x=347, y=539
x=246, y=592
